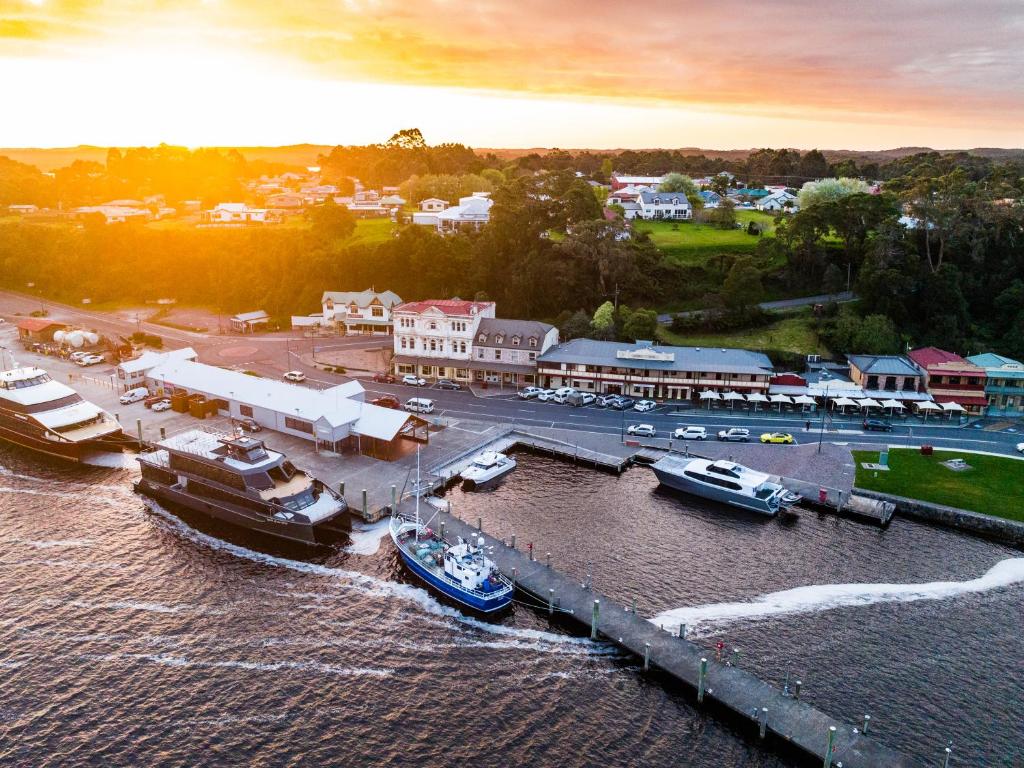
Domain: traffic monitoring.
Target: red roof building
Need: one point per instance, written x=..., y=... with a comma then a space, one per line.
x=39, y=328
x=450, y=307
x=951, y=379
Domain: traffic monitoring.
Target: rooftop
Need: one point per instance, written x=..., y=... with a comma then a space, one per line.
x=883, y=365
x=492, y=328
x=446, y=306
x=362, y=298
x=926, y=356
x=648, y=356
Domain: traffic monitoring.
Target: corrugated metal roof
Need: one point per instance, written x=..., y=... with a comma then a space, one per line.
x=884, y=365
x=697, y=359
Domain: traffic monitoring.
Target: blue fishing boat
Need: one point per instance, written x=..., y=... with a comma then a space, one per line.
x=460, y=571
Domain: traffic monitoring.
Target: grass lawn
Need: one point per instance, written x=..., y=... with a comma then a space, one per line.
x=690, y=244
x=378, y=230
x=790, y=333
x=994, y=485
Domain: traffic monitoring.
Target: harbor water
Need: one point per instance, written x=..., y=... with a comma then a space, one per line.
x=131, y=634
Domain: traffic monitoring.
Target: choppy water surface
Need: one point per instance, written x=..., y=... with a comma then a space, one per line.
x=131, y=636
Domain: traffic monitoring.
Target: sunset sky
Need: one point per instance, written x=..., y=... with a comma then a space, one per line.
x=514, y=73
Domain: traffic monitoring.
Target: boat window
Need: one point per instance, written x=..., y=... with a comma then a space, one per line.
x=260, y=481
x=711, y=480
x=722, y=470
x=288, y=468
x=299, y=501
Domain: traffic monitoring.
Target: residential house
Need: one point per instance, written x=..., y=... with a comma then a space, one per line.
x=248, y=322
x=471, y=213
x=780, y=200
x=645, y=369
x=889, y=377
x=951, y=379
x=366, y=203
x=434, y=338
x=392, y=201
x=366, y=312
x=286, y=200
x=746, y=192
x=234, y=214
x=711, y=198
x=505, y=352
x=619, y=181
x=664, y=205
x=114, y=214
x=433, y=205
x=1004, y=384
x=22, y=209
x=627, y=194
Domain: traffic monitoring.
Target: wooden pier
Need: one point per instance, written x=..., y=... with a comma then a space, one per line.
x=786, y=717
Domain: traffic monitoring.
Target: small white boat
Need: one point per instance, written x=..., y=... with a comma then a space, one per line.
x=488, y=466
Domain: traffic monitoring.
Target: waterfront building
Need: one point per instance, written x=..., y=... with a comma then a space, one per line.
x=950, y=378
x=887, y=377
x=645, y=369
x=505, y=352
x=1004, y=384
x=132, y=373
x=335, y=419
x=434, y=338
x=366, y=312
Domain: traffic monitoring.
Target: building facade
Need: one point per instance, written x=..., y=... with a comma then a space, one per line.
x=951, y=379
x=1004, y=384
x=885, y=374
x=434, y=338
x=652, y=371
x=664, y=205
x=471, y=213
x=366, y=312
x=234, y=213
x=505, y=352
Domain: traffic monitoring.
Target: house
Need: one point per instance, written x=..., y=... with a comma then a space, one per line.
x=392, y=201
x=780, y=200
x=248, y=322
x=132, y=373
x=286, y=200
x=471, y=213
x=951, y=379
x=335, y=419
x=39, y=329
x=664, y=205
x=753, y=194
x=434, y=338
x=505, y=352
x=711, y=198
x=367, y=203
x=22, y=209
x=114, y=214
x=1004, y=384
x=645, y=369
x=366, y=312
x=433, y=205
x=889, y=377
x=618, y=181
x=628, y=194
x=630, y=211
x=233, y=214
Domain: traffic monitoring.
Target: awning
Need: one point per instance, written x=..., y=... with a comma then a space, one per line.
x=962, y=400
x=732, y=396
x=781, y=399
x=707, y=394
x=842, y=402
x=951, y=406
x=869, y=403
x=928, y=406
x=757, y=397
x=803, y=400
x=892, y=404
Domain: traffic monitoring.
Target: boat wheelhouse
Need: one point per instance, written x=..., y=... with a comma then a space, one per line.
x=238, y=480
x=44, y=415
x=724, y=481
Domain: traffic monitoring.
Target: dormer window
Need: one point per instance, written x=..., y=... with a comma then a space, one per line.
x=533, y=341
x=515, y=341
x=482, y=338
x=500, y=339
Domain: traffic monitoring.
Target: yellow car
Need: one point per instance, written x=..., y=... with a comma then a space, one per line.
x=777, y=437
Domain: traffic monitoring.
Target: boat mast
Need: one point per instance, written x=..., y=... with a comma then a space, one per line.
x=417, y=492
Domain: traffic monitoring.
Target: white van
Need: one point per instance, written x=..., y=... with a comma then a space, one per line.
x=419, y=405
x=134, y=395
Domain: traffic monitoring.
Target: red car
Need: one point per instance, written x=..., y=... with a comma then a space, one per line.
x=387, y=401
x=384, y=378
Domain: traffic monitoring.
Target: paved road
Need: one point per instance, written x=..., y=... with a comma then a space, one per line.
x=774, y=306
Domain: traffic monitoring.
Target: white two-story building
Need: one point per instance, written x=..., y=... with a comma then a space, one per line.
x=505, y=351
x=664, y=205
x=366, y=312
x=434, y=338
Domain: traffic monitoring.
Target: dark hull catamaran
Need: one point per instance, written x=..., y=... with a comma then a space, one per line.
x=237, y=480
x=43, y=415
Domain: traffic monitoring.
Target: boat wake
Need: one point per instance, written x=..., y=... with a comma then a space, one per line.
x=366, y=538
x=824, y=597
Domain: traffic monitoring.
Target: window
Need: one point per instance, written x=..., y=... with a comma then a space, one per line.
x=377, y=311
x=461, y=373
x=433, y=325
x=298, y=425
x=500, y=339
x=433, y=345
x=497, y=354
x=533, y=357
x=515, y=341
x=402, y=342
x=462, y=347
x=482, y=338
x=533, y=341
x=245, y=410
x=480, y=354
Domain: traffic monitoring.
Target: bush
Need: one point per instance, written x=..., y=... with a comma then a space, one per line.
x=149, y=339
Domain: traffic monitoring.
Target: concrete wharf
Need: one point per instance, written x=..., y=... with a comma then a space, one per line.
x=785, y=716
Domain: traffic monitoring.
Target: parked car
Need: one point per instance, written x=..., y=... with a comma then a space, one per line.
x=877, y=425
x=622, y=403
x=735, y=435
x=413, y=380
x=76, y=356
x=528, y=393
x=644, y=405
x=579, y=399
x=384, y=378
x=387, y=401
x=162, y=405
x=152, y=400
x=89, y=360
x=295, y=376
x=448, y=384
x=690, y=433
x=249, y=425
x=133, y=395
x=605, y=401
x=561, y=395
x=419, y=405
x=545, y=394
x=777, y=437
x=641, y=430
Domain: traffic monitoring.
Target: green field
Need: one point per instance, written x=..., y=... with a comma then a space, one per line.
x=790, y=333
x=691, y=244
x=373, y=231
x=994, y=485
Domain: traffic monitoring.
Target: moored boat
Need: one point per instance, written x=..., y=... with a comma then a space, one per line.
x=488, y=466
x=724, y=481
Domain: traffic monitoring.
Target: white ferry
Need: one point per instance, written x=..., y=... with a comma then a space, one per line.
x=724, y=481
x=488, y=466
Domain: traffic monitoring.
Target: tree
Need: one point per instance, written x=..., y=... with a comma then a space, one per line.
x=640, y=324
x=606, y=169
x=813, y=165
x=742, y=288
x=834, y=280
x=577, y=326
x=407, y=138
x=331, y=222
x=579, y=204
x=677, y=182
x=876, y=335
x=829, y=190
x=604, y=321
x=724, y=216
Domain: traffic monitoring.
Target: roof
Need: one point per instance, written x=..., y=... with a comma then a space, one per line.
x=491, y=328
x=883, y=365
x=990, y=360
x=752, y=192
x=36, y=324
x=637, y=179
x=362, y=298
x=663, y=198
x=962, y=399
x=657, y=357
x=709, y=194
x=246, y=317
x=478, y=207
x=149, y=360
x=926, y=356
x=335, y=405
x=446, y=306
x=379, y=422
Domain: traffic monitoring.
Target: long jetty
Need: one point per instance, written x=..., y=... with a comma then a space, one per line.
x=784, y=715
